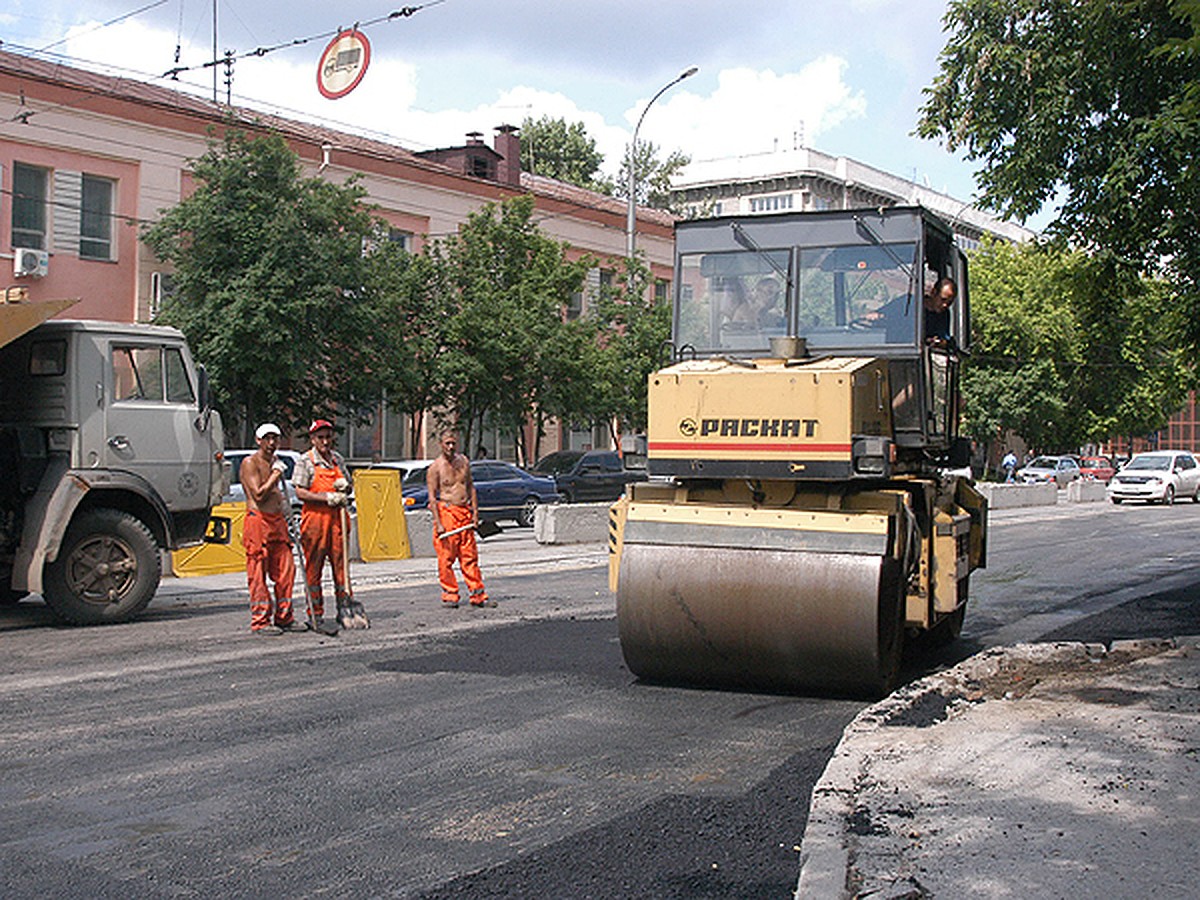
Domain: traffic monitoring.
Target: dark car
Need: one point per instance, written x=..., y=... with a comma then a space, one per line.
x=581, y=475
x=505, y=492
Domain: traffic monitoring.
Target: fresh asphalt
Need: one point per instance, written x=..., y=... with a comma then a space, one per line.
x=701, y=842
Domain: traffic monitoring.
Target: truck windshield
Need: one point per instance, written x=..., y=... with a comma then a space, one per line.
x=847, y=297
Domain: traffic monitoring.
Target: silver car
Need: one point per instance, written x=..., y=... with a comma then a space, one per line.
x=1062, y=470
x=1157, y=477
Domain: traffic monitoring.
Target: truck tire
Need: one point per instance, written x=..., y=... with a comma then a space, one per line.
x=107, y=570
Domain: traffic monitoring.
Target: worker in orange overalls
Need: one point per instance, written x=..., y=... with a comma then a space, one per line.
x=455, y=507
x=323, y=484
x=265, y=537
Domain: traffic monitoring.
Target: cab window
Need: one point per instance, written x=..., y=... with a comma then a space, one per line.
x=151, y=374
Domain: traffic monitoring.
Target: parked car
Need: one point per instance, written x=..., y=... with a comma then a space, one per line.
x=1157, y=477
x=237, y=493
x=404, y=466
x=505, y=492
x=591, y=475
x=1097, y=468
x=1062, y=470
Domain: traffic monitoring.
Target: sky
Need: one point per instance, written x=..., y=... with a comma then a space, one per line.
x=842, y=76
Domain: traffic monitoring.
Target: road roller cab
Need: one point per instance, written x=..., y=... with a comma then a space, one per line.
x=806, y=508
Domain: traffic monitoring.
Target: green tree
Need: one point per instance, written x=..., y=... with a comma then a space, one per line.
x=507, y=341
x=1090, y=104
x=269, y=276
x=631, y=329
x=653, y=175
x=1068, y=348
x=562, y=151
x=410, y=332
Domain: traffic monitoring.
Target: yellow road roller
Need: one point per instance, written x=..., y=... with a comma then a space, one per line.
x=810, y=502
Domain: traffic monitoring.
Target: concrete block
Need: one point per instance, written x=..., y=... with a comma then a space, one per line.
x=571, y=523
x=1086, y=492
x=1013, y=496
x=420, y=532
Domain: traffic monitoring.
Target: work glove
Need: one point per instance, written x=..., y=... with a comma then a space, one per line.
x=341, y=485
x=335, y=498
x=279, y=466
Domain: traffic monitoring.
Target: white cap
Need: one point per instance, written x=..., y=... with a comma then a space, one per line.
x=265, y=429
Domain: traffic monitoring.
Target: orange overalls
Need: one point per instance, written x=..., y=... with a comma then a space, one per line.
x=321, y=537
x=268, y=553
x=459, y=546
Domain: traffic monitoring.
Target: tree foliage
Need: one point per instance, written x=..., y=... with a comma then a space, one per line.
x=269, y=276
x=410, y=332
x=508, y=345
x=631, y=330
x=1069, y=348
x=1091, y=104
x=562, y=151
x=297, y=305
x=653, y=175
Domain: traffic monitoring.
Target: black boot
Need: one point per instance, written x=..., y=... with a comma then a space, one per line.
x=321, y=626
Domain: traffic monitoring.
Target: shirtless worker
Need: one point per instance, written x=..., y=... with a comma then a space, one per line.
x=265, y=537
x=455, y=505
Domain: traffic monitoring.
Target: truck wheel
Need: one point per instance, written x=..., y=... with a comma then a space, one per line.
x=107, y=569
x=525, y=516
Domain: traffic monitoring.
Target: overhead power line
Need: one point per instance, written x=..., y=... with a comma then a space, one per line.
x=122, y=18
x=402, y=13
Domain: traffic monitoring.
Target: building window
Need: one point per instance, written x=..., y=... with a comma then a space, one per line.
x=661, y=292
x=480, y=167
x=771, y=204
x=29, y=207
x=402, y=239
x=575, y=305
x=95, y=218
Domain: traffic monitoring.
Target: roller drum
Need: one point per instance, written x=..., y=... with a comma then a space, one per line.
x=774, y=619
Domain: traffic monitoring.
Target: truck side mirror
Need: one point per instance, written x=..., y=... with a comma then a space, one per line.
x=202, y=387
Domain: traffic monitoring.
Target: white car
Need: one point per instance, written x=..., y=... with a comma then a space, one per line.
x=1157, y=477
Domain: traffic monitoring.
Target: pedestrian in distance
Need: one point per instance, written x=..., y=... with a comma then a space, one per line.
x=322, y=483
x=1009, y=465
x=454, y=503
x=265, y=537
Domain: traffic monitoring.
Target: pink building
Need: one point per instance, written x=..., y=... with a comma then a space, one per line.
x=87, y=159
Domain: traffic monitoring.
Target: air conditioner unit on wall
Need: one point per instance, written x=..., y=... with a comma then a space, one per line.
x=30, y=263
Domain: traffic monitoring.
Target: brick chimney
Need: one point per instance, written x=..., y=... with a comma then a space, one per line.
x=508, y=145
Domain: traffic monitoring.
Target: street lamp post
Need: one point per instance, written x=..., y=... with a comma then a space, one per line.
x=631, y=220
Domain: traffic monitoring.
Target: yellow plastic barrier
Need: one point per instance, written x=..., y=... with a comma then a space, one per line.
x=382, y=531
x=215, y=559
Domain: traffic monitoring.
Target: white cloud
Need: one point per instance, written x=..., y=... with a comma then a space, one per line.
x=749, y=110
x=753, y=111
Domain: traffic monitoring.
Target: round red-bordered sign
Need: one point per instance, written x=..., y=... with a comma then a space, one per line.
x=343, y=64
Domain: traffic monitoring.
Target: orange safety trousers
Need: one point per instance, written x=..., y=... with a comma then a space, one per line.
x=461, y=547
x=321, y=537
x=268, y=554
